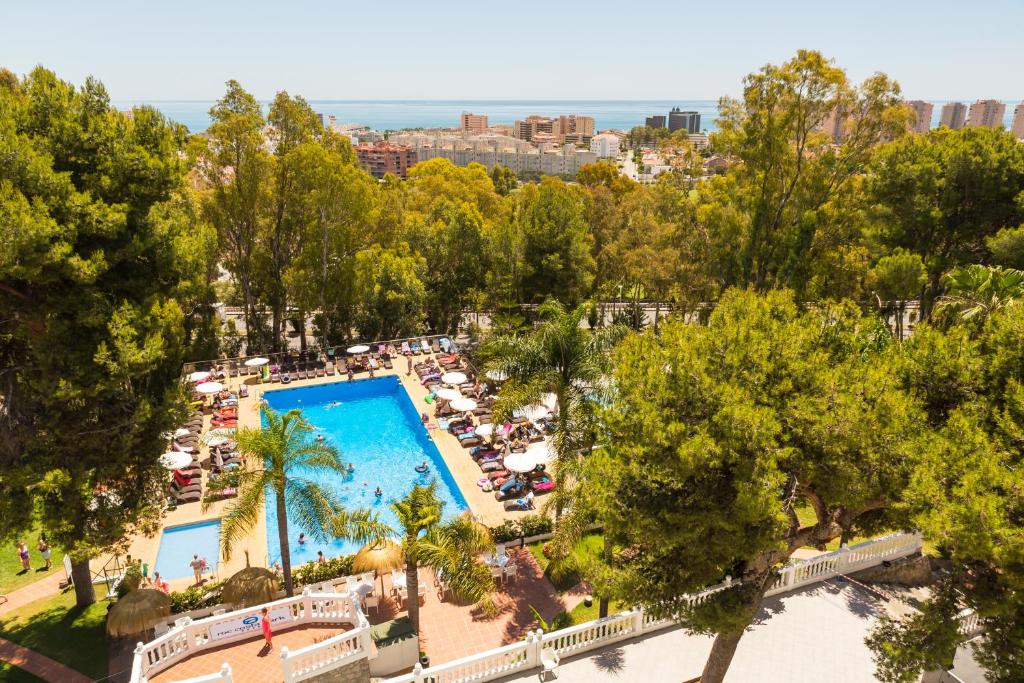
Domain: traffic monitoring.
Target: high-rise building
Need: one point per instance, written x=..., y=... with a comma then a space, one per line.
x=683, y=120
x=383, y=157
x=655, y=122
x=473, y=123
x=833, y=125
x=922, y=122
x=605, y=145
x=986, y=114
x=525, y=129
x=579, y=126
x=953, y=115
x=1018, y=121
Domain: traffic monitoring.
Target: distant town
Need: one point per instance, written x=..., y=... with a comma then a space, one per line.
x=561, y=145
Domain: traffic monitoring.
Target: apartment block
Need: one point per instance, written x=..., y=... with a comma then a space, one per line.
x=558, y=127
x=605, y=145
x=986, y=114
x=833, y=125
x=922, y=122
x=383, y=157
x=473, y=123
x=683, y=120
x=1018, y=122
x=953, y=115
x=564, y=161
x=655, y=122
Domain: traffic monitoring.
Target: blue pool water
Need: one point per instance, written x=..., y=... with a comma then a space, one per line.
x=180, y=543
x=377, y=428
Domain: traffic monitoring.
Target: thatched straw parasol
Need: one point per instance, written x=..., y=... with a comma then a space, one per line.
x=250, y=586
x=379, y=556
x=137, y=611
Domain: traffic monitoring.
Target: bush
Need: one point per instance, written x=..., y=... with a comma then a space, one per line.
x=318, y=572
x=131, y=580
x=534, y=525
x=195, y=597
x=505, y=532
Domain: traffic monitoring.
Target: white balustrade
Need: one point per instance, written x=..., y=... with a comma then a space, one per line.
x=526, y=654
x=324, y=656
x=189, y=637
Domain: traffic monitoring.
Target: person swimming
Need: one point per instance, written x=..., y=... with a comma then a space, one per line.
x=351, y=468
x=320, y=438
x=378, y=492
x=422, y=467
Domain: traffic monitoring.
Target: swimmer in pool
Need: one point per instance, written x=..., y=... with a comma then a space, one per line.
x=320, y=437
x=378, y=492
x=351, y=468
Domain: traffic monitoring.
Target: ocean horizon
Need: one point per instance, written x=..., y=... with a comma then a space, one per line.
x=399, y=114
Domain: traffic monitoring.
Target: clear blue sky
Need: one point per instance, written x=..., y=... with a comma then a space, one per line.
x=518, y=49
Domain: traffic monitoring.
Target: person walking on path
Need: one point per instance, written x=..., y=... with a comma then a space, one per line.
x=44, y=551
x=23, y=556
x=408, y=366
x=197, y=569
x=268, y=635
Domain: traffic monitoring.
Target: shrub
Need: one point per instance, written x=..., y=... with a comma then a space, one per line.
x=318, y=572
x=534, y=525
x=505, y=532
x=131, y=580
x=195, y=597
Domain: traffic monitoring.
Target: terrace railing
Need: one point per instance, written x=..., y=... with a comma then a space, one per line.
x=190, y=637
x=530, y=652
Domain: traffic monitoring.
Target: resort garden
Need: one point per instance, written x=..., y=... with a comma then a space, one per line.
x=671, y=383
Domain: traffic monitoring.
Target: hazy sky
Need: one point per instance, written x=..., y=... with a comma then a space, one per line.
x=518, y=49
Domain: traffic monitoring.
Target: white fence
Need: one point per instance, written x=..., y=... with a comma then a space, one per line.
x=189, y=637
x=528, y=653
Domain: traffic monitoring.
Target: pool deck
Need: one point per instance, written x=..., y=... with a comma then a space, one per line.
x=464, y=471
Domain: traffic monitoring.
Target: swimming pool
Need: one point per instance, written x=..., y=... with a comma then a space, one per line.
x=180, y=543
x=377, y=428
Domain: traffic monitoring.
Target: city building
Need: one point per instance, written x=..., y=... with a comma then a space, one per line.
x=986, y=114
x=683, y=120
x=473, y=123
x=922, y=122
x=578, y=139
x=655, y=122
x=698, y=140
x=580, y=125
x=564, y=161
x=953, y=115
x=605, y=145
x=833, y=125
x=1018, y=122
x=531, y=126
x=384, y=157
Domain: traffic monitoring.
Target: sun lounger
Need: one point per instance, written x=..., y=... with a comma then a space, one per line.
x=406, y=349
x=385, y=360
x=187, y=497
x=492, y=466
x=330, y=369
x=320, y=372
x=425, y=346
x=435, y=346
x=414, y=347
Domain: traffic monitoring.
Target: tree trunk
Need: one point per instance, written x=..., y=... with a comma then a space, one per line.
x=275, y=328
x=85, y=594
x=302, y=330
x=602, y=608
x=412, y=589
x=282, y=537
x=724, y=647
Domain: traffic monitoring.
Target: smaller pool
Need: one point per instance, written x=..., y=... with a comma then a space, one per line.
x=180, y=543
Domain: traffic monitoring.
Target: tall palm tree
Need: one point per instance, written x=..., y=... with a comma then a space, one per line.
x=975, y=292
x=283, y=460
x=450, y=548
x=557, y=356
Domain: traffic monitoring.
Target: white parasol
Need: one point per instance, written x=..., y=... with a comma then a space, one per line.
x=519, y=462
x=496, y=375
x=485, y=430
x=540, y=453
x=358, y=348
x=175, y=460
x=256, y=362
x=181, y=431
x=198, y=376
x=453, y=378
x=448, y=394
x=210, y=388
x=463, y=404
x=217, y=441
x=533, y=412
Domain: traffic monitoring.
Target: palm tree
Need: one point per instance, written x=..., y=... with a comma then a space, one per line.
x=284, y=460
x=450, y=548
x=975, y=292
x=561, y=357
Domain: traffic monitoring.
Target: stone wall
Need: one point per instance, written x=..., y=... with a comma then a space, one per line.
x=914, y=570
x=354, y=672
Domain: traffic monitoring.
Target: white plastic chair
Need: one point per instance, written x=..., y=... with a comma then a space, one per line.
x=496, y=573
x=511, y=571
x=549, y=660
x=371, y=601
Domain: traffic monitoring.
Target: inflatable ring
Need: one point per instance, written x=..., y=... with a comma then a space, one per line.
x=421, y=468
x=487, y=487
x=483, y=482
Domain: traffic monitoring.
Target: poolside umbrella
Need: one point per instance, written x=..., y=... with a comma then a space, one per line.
x=448, y=394
x=217, y=441
x=532, y=413
x=198, y=376
x=485, y=430
x=256, y=362
x=453, y=378
x=519, y=462
x=463, y=404
x=378, y=556
x=210, y=388
x=220, y=432
x=137, y=611
x=496, y=375
x=250, y=586
x=180, y=432
x=175, y=460
x=358, y=348
x=540, y=453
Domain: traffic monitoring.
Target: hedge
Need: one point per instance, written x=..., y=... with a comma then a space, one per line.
x=528, y=525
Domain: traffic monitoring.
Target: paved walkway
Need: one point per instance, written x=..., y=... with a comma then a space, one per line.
x=38, y=665
x=816, y=634
x=37, y=590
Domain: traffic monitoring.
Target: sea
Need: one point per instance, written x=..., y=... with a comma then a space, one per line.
x=399, y=114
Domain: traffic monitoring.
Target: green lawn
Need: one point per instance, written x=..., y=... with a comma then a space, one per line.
x=56, y=628
x=10, y=566
x=565, y=574
x=806, y=516
x=581, y=613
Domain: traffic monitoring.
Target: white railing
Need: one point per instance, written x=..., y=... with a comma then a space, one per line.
x=970, y=623
x=189, y=637
x=222, y=676
x=526, y=654
x=324, y=656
